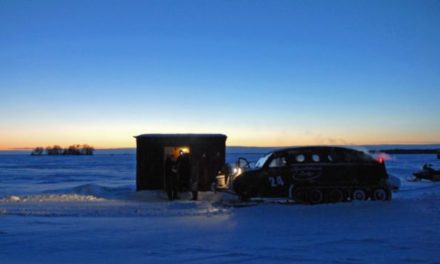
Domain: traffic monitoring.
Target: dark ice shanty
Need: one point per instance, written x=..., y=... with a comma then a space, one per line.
x=206, y=152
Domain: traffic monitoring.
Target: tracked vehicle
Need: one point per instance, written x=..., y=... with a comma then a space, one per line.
x=316, y=175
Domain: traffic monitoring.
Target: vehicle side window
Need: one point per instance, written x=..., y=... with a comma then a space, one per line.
x=278, y=162
x=315, y=158
x=300, y=158
x=329, y=158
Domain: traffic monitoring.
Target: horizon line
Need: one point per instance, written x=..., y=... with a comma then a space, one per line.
x=244, y=146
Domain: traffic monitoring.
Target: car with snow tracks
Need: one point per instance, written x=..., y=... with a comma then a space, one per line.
x=314, y=175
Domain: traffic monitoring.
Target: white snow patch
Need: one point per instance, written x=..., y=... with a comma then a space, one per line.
x=50, y=198
x=79, y=221
x=145, y=203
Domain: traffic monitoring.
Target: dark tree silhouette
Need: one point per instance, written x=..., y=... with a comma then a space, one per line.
x=55, y=150
x=87, y=150
x=38, y=151
x=71, y=150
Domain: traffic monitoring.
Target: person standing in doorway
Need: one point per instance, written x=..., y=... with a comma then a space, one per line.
x=171, y=180
x=194, y=181
x=184, y=171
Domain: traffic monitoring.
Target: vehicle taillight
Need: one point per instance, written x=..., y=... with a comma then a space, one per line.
x=382, y=157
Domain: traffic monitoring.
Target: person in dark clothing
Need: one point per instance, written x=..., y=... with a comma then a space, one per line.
x=194, y=181
x=184, y=171
x=428, y=168
x=171, y=179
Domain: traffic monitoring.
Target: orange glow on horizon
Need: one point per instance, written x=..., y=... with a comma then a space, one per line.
x=107, y=136
x=231, y=141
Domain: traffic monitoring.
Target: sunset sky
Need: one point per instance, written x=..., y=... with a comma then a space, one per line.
x=265, y=73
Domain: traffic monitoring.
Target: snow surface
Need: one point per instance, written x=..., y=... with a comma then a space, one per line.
x=85, y=209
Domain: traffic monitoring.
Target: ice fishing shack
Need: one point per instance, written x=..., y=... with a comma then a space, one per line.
x=206, y=154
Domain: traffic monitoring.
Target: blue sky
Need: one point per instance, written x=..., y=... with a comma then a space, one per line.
x=265, y=73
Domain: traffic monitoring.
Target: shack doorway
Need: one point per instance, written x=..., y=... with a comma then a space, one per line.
x=170, y=164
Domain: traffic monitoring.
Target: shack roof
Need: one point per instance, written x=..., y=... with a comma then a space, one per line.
x=144, y=136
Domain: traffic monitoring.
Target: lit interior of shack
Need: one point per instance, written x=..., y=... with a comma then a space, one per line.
x=174, y=151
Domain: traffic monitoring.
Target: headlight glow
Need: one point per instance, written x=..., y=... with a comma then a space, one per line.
x=236, y=171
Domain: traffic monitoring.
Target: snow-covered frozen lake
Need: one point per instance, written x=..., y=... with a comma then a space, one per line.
x=84, y=209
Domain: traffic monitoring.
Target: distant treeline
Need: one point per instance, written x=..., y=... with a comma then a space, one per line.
x=57, y=150
x=408, y=151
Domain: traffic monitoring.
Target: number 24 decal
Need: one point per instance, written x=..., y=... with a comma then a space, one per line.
x=276, y=181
